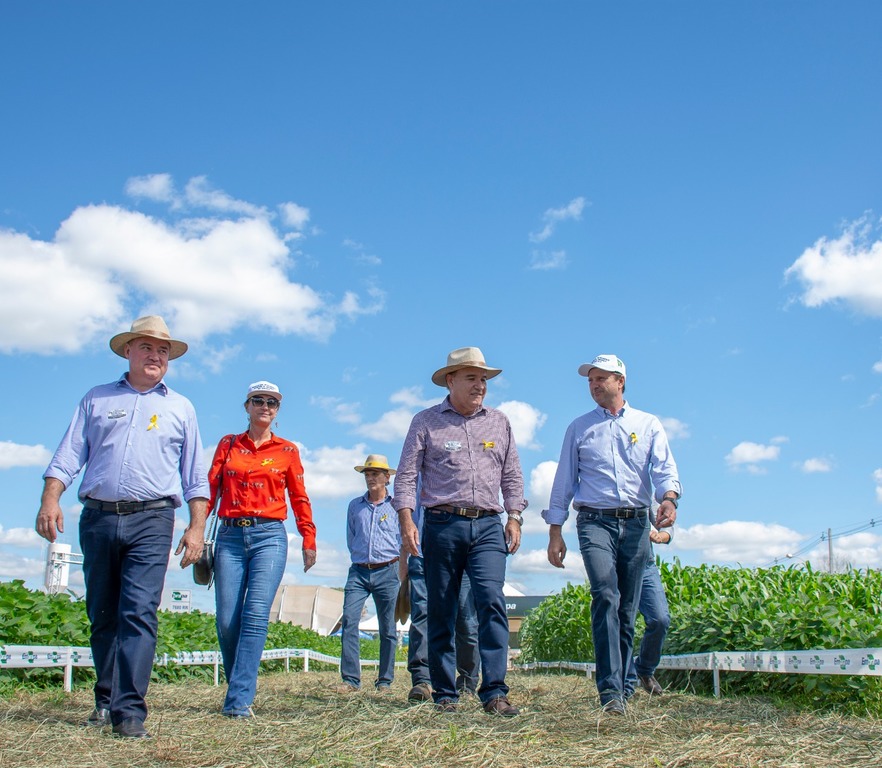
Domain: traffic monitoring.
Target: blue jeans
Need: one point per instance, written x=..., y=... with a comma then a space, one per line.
x=468, y=659
x=452, y=546
x=125, y=558
x=383, y=584
x=615, y=553
x=654, y=609
x=248, y=566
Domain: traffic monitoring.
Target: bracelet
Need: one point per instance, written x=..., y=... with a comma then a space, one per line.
x=673, y=500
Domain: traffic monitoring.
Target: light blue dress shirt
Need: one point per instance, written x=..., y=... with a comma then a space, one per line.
x=612, y=460
x=136, y=446
x=372, y=531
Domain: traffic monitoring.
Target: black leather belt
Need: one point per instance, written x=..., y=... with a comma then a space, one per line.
x=247, y=522
x=622, y=513
x=374, y=566
x=472, y=512
x=128, y=507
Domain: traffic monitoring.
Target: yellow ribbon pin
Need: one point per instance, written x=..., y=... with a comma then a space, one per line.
x=633, y=438
x=153, y=424
x=265, y=462
x=488, y=444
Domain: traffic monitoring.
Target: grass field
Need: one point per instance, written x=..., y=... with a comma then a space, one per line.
x=300, y=721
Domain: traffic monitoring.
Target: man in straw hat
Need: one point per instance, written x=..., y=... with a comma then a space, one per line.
x=374, y=543
x=139, y=442
x=465, y=454
x=611, y=459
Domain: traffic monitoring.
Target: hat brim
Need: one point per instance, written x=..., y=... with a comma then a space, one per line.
x=361, y=468
x=440, y=376
x=118, y=343
x=586, y=368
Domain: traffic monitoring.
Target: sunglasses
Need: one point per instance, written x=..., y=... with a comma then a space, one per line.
x=262, y=401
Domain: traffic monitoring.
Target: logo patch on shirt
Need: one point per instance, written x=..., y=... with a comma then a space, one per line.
x=453, y=445
x=116, y=413
x=488, y=444
x=265, y=462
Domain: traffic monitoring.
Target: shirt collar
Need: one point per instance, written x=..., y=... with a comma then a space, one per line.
x=446, y=405
x=161, y=387
x=610, y=415
x=365, y=497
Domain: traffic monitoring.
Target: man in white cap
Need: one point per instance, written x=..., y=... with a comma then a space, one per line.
x=465, y=455
x=611, y=459
x=372, y=535
x=140, y=444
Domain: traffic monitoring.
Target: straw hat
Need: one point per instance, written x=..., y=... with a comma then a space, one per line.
x=375, y=461
x=152, y=327
x=466, y=357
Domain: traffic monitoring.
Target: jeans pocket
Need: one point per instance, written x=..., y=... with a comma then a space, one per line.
x=587, y=516
x=438, y=518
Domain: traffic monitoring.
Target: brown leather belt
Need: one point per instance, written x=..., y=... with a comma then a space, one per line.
x=374, y=566
x=128, y=507
x=472, y=512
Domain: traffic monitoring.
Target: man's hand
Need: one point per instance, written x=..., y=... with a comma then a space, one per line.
x=50, y=518
x=512, y=536
x=660, y=537
x=410, y=536
x=666, y=515
x=193, y=541
x=308, y=559
x=557, y=548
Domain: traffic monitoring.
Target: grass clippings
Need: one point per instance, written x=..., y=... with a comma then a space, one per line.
x=301, y=721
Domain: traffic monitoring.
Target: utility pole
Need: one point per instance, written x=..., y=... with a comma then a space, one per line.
x=829, y=551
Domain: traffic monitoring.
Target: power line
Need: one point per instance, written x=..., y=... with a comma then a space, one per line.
x=809, y=545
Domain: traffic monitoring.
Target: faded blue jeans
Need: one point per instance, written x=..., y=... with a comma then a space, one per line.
x=383, y=584
x=468, y=658
x=249, y=564
x=654, y=609
x=615, y=552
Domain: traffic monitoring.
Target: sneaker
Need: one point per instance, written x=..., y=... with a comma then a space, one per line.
x=420, y=692
x=500, y=705
x=614, y=707
x=650, y=685
x=448, y=706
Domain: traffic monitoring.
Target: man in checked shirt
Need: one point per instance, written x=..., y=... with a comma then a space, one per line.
x=466, y=454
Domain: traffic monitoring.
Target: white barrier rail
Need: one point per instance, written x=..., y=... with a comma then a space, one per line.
x=844, y=661
x=847, y=661
x=40, y=656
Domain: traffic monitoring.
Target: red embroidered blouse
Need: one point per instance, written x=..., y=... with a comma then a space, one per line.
x=255, y=480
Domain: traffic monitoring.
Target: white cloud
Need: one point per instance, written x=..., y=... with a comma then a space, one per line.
x=412, y=397
x=877, y=368
x=15, y=455
x=816, y=465
x=735, y=541
x=341, y=412
x=107, y=265
x=548, y=260
x=329, y=472
x=526, y=562
x=553, y=216
x=361, y=256
x=845, y=269
x=525, y=420
x=158, y=186
x=294, y=215
x=21, y=537
x=859, y=550
x=391, y=426
x=877, y=477
x=674, y=428
x=748, y=456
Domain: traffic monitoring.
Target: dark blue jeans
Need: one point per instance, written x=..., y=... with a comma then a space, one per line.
x=615, y=553
x=468, y=659
x=452, y=546
x=125, y=558
x=654, y=609
x=248, y=567
x=383, y=584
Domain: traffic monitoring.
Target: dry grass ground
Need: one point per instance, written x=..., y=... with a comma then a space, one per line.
x=301, y=722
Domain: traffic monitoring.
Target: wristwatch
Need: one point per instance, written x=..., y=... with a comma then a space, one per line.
x=673, y=500
x=516, y=516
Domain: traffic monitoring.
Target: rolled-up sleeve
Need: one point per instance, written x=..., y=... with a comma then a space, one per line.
x=566, y=479
x=73, y=451
x=194, y=479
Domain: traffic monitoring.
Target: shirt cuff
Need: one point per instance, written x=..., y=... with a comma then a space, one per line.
x=555, y=516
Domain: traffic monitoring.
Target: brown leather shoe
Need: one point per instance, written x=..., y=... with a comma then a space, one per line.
x=500, y=705
x=420, y=692
x=614, y=707
x=448, y=706
x=99, y=718
x=345, y=688
x=650, y=685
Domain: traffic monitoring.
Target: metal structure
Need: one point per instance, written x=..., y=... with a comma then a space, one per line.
x=59, y=559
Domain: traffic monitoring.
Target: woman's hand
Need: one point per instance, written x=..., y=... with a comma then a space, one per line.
x=308, y=559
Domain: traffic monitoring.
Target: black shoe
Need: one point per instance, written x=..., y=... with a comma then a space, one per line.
x=614, y=707
x=650, y=685
x=447, y=706
x=131, y=728
x=500, y=705
x=99, y=718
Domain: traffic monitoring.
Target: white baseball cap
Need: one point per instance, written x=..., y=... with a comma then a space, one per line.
x=263, y=388
x=606, y=363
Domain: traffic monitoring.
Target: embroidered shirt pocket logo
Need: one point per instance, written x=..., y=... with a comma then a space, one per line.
x=453, y=445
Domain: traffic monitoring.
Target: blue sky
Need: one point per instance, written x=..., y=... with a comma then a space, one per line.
x=333, y=196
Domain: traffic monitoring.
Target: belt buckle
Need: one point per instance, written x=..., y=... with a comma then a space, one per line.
x=245, y=523
x=473, y=514
x=623, y=513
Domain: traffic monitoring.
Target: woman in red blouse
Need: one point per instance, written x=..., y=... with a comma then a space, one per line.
x=249, y=477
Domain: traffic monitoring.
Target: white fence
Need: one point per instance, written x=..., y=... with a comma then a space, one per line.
x=849, y=661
